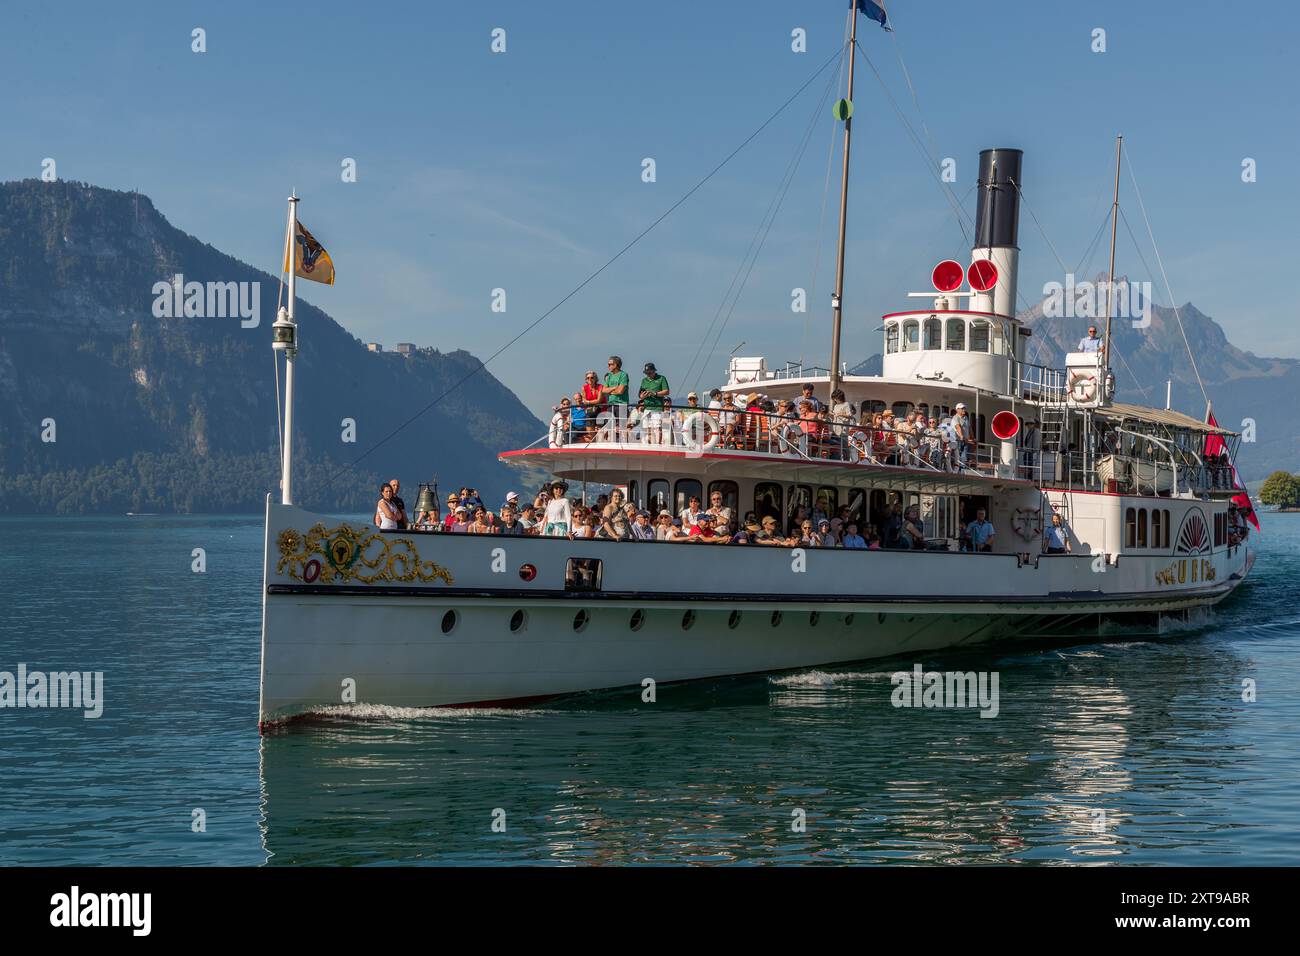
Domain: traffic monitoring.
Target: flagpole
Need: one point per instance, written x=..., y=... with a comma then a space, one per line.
x=837, y=300
x=290, y=357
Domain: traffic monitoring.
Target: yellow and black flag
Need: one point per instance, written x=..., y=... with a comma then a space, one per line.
x=310, y=260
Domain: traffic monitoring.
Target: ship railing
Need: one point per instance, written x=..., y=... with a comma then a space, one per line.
x=700, y=431
x=798, y=370
x=1039, y=383
x=1154, y=466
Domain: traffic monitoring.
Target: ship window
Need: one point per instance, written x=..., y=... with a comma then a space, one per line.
x=517, y=620
x=828, y=501
x=688, y=618
x=580, y=620
x=911, y=335
x=730, y=495
x=933, y=334
x=767, y=500
x=857, y=505
x=1157, y=526
x=733, y=621
x=637, y=619
x=997, y=338
x=1142, y=528
x=633, y=490
x=900, y=410
x=814, y=617
x=583, y=574
x=686, y=488
x=979, y=336
x=1130, y=527
x=776, y=618
x=657, y=496
x=870, y=407
x=800, y=497
x=941, y=519
x=1165, y=542
x=891, y=338
x=449, y=622
x=956, y=335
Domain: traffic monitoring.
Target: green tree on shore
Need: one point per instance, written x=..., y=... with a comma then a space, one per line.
x=1281, y=489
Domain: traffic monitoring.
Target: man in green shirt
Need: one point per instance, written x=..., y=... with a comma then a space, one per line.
x=654, y=388
x=615, y=393
x=616, y=382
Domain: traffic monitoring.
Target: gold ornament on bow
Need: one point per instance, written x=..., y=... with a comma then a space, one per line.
x=344, y=554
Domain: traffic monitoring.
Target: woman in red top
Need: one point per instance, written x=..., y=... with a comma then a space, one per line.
x=592, y=401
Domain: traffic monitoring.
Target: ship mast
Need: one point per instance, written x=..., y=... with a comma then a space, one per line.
x=284, y=338
x=845, y=112
x=1114, y=222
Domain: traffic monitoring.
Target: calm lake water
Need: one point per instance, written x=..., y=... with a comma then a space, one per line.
x=1123, y=750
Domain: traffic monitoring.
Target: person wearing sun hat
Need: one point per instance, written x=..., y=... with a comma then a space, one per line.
x=453, y=500
x=559, y=511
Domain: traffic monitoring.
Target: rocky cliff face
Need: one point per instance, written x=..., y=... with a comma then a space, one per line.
x=158, y=411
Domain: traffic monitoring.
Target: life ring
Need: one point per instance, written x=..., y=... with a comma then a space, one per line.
x=790, y=439
x=1083, y=387
x=1027, y=522
x=690, y=430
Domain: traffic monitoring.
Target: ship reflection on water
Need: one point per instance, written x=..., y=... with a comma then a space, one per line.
x=1121, y=752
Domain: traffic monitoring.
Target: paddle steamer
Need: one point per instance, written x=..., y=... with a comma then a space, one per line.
x=353, y=614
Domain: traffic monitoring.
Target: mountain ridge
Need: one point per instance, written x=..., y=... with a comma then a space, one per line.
x=82, y=345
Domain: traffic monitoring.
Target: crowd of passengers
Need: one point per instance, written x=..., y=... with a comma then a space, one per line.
x=552, y=513
x=753, y=422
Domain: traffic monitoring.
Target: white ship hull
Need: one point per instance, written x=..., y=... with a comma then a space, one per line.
x=367, y=627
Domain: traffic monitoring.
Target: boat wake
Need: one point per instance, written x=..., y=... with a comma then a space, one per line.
x=824, y=679
x=387, y=712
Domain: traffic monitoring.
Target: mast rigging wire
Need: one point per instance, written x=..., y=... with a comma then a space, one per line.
x=932, y=161
x=1164, y=275
x=826, y=190
x=755, y=247
x=482, y=365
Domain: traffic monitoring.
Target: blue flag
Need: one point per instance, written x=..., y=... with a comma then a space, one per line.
x=874, y=11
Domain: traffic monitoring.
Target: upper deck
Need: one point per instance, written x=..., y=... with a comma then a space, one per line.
x=904, y=434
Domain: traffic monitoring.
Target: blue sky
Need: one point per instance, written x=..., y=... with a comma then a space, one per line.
x=522, y=170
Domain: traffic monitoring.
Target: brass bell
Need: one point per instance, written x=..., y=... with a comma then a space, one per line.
x=427, y=501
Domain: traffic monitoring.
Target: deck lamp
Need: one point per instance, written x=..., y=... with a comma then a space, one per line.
x=284, y=333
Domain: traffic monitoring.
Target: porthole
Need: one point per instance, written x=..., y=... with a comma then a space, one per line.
x=734, y=620
x=449, y=621
x=688, y=618
x=638, y=618
x=814, y=617
x=518, y=620
x=848, y=620
x=776, y=618
x=580, y=619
